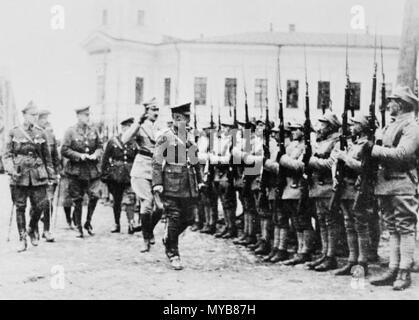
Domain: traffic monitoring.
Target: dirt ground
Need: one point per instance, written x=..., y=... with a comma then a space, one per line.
x=109, y=266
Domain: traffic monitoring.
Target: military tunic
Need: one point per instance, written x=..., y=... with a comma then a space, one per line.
x=180, y=177
x=83, y=175
x=116, y=167
x=28, y=160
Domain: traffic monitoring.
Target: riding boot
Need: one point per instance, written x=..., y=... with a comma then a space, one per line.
x=90, y=210
x=275, y=244
x=67, y=211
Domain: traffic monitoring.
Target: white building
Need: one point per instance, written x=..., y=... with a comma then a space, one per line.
x=131, y=63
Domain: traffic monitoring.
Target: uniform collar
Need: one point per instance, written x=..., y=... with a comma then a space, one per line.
x=404, y=116
x=28, y=126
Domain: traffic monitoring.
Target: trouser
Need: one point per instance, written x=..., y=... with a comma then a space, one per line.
x=374, y=230
x=328, y=224
x=356, y=225
x=39, y=202
x=208, y=201
x=227, y=194
x=149, y=218
x=399, y=213
x=180, y=214
x=123, y=198
x=49, y=210
x=77, y=189
x=249, y=209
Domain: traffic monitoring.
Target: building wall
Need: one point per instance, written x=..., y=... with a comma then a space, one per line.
x=183, y=62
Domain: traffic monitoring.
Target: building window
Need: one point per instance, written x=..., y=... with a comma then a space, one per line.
x=200, y=91
x=323, y=95
x=100, y=89
x=292, y=94
x=261, y=92
x=167, y=91
x=355, y=95
x=105, y=17
x=140, y=17
x=139, y=90
x=230, y=92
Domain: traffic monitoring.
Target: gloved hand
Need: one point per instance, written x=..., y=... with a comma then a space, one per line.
x=142, y=118
x=158, y=189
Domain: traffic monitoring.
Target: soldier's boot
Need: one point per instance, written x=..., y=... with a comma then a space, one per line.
x=23, y=243
x=196, y=227
x=245, y=234
x=33, y=237
x=131, y=227
x=352, y=240
x=206, y=229
x=325, y=243
x=281, y=254
x=67, y=211
x=221, y=233
x=175, y=263
x=232, y=228
x=275, y=244
x=90, y=210
x=330, y=262
x=403, y=280
x=145, y=246
x=264, y=248
x=77, y=219
x=387, y=279
x=117, y=218
x=374, y=234
x=116, y=228
x=251, y=239
x=48, y=236
x=301, y=256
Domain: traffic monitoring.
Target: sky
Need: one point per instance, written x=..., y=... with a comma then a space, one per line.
x=49, y=66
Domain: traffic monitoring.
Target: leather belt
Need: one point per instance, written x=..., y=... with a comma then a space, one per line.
x=146, y=153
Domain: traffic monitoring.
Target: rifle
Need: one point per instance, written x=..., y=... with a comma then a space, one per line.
x=383, y=90
x=368, y=173
x=416, y=92
x=340, y=167
x=210, y=139
x=195, y=124
x=282, y=181
x=10, y=222
x=307, y=172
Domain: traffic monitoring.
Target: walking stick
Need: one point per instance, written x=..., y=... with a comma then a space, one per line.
x=10, y=222
x=56, y=203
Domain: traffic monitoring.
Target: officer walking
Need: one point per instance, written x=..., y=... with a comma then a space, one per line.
x=116, y=167
x=28, y=162
x=397, y=183
x=82, y=146
x=177, y=178
x=144, y=133
x=44, y=123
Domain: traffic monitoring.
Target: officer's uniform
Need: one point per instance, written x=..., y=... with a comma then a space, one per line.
x=83, y=175
x=224, y=173
x=396, y=189
x=180, y=179
x=55, y=158
x=28, y=160
x=145, y=136
x=116, y=167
